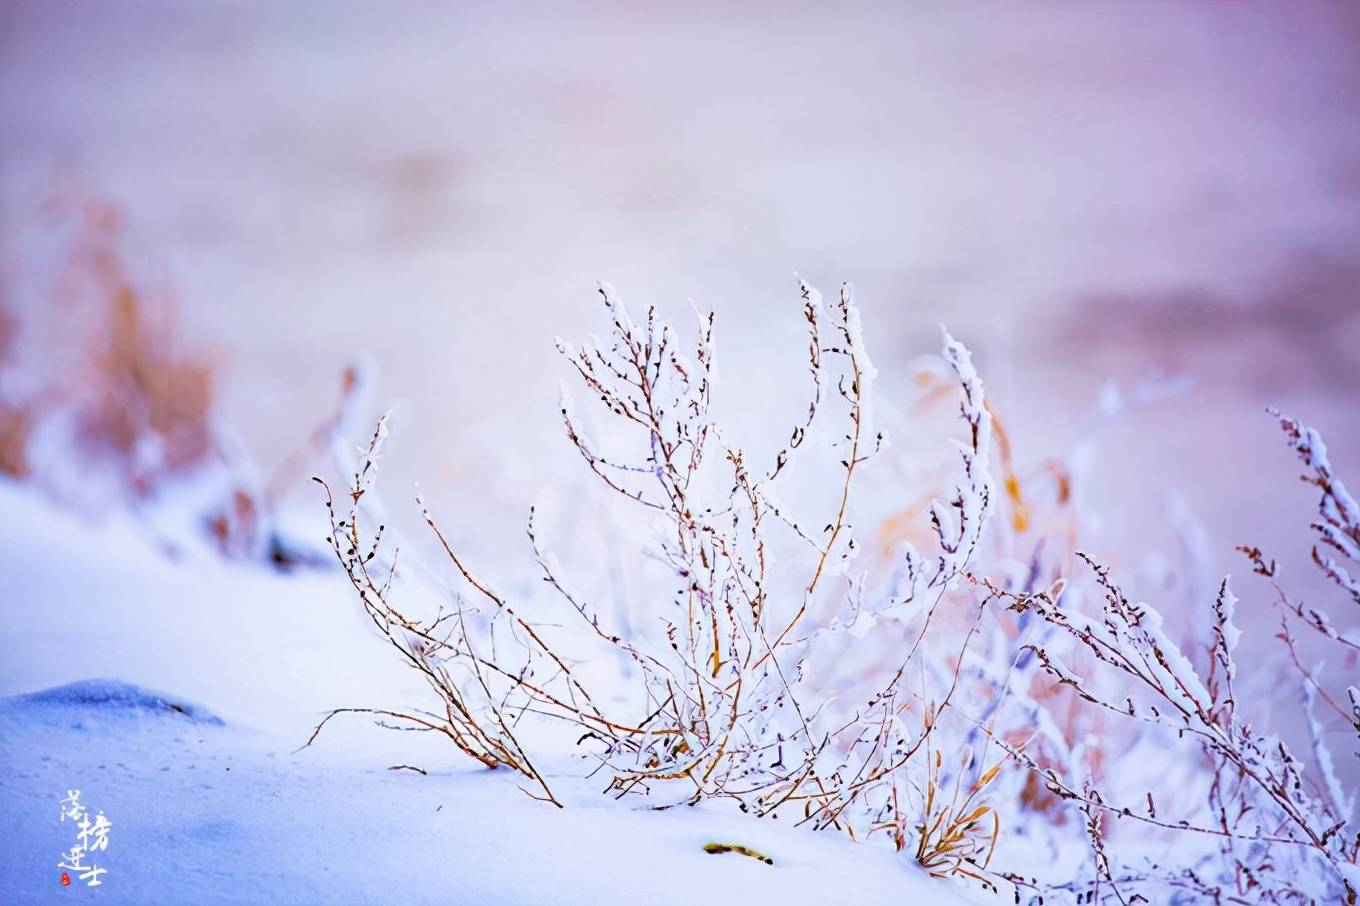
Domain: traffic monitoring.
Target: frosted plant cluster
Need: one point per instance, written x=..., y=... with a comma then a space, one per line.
x=979, y=694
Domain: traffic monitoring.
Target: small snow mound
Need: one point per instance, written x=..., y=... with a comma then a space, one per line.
x=112, y=696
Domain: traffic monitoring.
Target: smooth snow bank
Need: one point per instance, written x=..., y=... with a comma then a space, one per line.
x=204, y=813
x=223, y=809
x=110, y=697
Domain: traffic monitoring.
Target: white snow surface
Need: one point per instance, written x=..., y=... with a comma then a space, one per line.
x=210, y=802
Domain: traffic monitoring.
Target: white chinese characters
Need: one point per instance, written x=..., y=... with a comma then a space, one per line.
x=91, y=836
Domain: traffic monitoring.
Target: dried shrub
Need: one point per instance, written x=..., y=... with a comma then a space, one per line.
x=957, y=835
x=142, y=403
x=14, y=432
x=1264, y=824
x=725, y=702
x=966, y=721
x=15, y=422
x=105, y=364
x=149, y=407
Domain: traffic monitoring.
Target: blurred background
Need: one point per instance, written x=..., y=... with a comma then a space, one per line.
x=1082, y=192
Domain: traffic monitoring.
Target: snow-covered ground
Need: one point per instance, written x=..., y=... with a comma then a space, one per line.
x=210, y=801
x=203, y=812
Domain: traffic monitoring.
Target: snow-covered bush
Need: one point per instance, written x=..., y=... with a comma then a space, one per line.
x=1262, y=824
x=733, y=697
x=976, y=692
